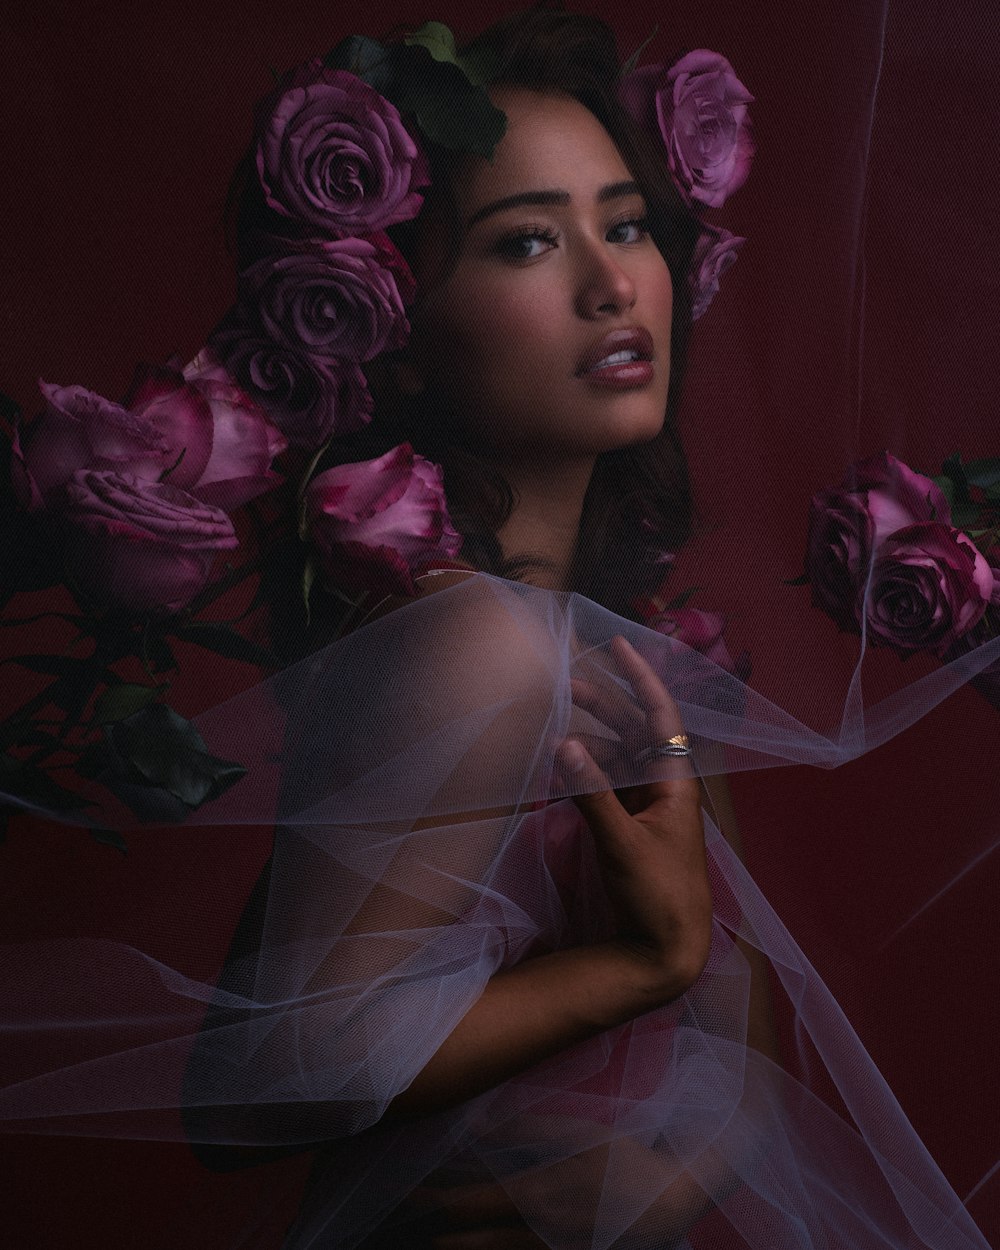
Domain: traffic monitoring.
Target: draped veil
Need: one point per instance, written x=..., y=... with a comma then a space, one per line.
x=856, y=320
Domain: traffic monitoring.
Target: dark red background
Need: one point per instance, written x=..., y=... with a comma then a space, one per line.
x=121, y=126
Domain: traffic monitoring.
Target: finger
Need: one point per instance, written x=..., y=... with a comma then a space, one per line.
x=653, y=695
x=663, y=717
x=588, y=786
x=606, y=701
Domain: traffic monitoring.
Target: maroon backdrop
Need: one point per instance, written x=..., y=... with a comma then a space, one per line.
x=121, y=126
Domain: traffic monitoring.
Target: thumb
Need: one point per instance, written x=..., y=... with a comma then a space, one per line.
x=589, y=786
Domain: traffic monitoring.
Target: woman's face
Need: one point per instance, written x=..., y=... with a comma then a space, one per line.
x=555, y=273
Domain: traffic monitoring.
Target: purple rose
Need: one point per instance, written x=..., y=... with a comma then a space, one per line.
x=147, y=545
x=241, y=444
x=701, y=631
x=848, y=524
x=79, y=429
x=929, y=587
x=206, y=438
x=308, y=398
x=336, y=154
x=376, y=523
x=339, y=297
x=700, y=107
x=714, y=253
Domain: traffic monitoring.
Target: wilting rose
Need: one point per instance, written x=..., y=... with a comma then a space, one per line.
x=148, y=546
x=308, y=398
x=339, y=297
x=701, y=631
x=376, y=523
x=700, y=108
x=79, y=429
x=848, y=524
x=204, y=437
x=335, y=153
x=714, y=253
x=241, y=442
x=929, y=587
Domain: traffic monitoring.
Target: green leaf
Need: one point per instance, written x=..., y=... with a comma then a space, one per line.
x=119, y=702
x=366, y=58
x=9, y=408
x=225, y=641
x=156, y=650
x=459, y=118
x=437, y=39
x=480, y=65
x=983, y=473
x=947, y=487
x=308, y=580
x=55, y=665
x=165, y=751
x=108, y=837
x=31, y=783
x=633, y=60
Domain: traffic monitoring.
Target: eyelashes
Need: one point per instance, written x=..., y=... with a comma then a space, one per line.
x=513, y=246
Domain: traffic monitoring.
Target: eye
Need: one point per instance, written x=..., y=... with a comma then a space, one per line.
x=636, y=227
x=517, y=246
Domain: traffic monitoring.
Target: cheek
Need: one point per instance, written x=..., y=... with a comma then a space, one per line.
x=502, y=328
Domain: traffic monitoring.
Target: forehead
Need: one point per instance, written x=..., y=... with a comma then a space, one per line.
x=551, y=141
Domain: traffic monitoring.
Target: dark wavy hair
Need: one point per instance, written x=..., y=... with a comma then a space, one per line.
x=638, y=503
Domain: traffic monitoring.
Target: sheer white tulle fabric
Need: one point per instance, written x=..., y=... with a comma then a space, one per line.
x=424, y=842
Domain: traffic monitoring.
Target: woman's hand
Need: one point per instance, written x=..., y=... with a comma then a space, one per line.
x=649, y=838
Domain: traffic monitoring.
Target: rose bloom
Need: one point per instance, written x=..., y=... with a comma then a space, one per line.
x=335, y=297
x=149, y=546
x=714, y=253
x=929, y=587
x=208, y=438
x=376, y=523
x=243, y=441
x=309, y=398
x=335, y=153
x=700, y=108
x=848, y=523
x=701, y=631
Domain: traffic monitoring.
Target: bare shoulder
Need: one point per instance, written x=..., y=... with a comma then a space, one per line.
x=482, y=643
x=426, y=584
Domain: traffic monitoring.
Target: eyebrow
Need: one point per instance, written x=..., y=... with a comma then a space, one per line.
x=613, y=191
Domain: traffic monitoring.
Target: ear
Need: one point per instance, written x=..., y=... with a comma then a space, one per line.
x=408, y=377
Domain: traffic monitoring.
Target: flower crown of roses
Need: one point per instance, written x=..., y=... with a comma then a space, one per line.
x=339, y=159
x=339, y=164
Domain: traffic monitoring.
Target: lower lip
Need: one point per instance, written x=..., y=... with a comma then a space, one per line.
x=621, y=377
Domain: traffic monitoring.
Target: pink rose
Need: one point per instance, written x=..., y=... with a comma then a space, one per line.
x=848, y=524
x=336, y=154
x=308, y=398
x=700, y=107
x=714, y=253
x=79, y=429
x=147, y=545
x=929, y=587
x=337, y=297
x=374, y=524
x=207, y=438
x=233, y=465
x=701, y=631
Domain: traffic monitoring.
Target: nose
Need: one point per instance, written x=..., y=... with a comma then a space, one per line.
x=604, y=284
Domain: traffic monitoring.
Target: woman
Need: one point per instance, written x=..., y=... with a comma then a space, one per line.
x=608, y=1069
x=520, y=1028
